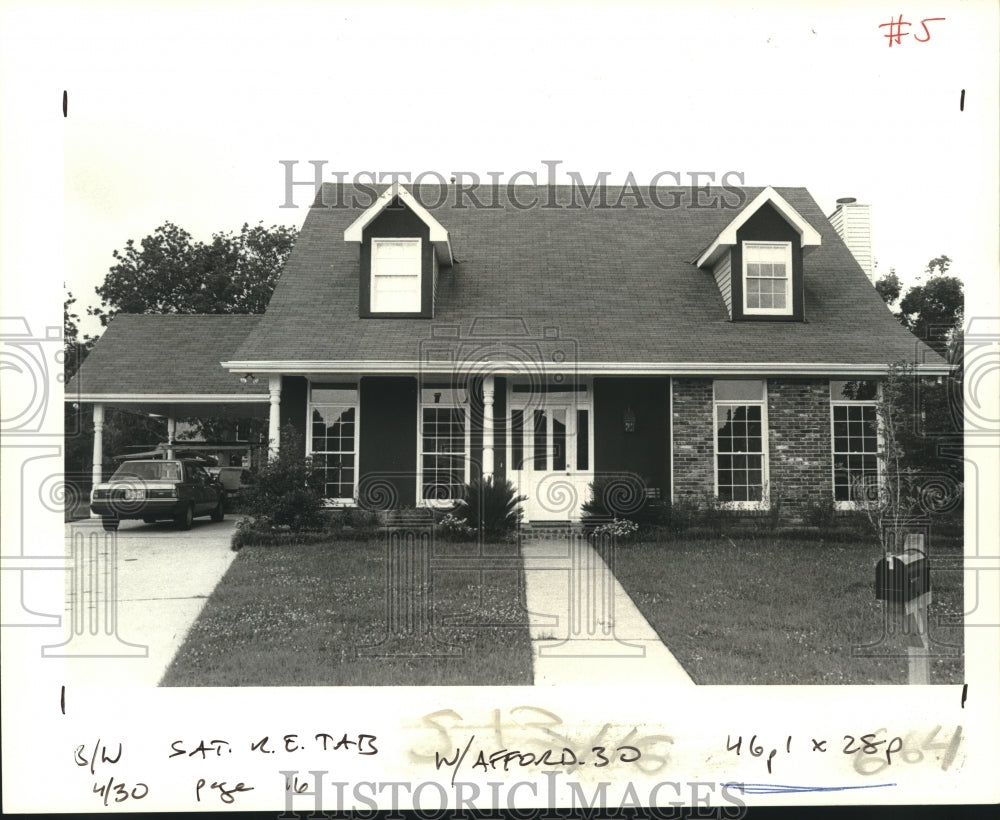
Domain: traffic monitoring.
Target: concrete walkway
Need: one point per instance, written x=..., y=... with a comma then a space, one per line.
x=133, y=595
x=584, y=627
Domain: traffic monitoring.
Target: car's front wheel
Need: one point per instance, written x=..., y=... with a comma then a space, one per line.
x=110, y=523
x=185, y=517
x=219, y=513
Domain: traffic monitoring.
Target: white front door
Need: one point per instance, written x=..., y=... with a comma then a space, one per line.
x=550, y=448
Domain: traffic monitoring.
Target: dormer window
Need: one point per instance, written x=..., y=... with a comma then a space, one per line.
x=401, y=249
x=395, y=275
x=756, y=261
x=767, y=278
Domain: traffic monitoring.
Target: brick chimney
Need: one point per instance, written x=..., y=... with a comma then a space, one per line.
x=853, y=222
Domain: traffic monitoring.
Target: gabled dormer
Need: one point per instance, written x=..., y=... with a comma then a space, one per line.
x=757, y=260
x=401, y=248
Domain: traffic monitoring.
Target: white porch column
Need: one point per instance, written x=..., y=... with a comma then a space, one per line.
x=274, y=419
x=488, y=391
x=97, y=472
x=171, y=433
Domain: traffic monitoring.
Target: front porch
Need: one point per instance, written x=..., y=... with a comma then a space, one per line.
x=406, y=434
x=389, y=441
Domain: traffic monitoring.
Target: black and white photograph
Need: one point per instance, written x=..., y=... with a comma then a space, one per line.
x=577, y=407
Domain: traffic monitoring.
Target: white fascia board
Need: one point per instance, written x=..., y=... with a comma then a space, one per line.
x=187, y=398
x=499, y=368
x=438, y=235
x=808, y=235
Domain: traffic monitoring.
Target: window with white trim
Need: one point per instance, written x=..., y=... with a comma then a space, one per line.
x=767, y=278
x=395, y=275
x=740, y=442
x=333, y=436
x=444, y=442
x=854, y=416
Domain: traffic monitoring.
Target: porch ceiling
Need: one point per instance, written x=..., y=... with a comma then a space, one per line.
x=191, y=406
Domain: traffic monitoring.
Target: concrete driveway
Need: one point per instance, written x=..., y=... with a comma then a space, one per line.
x=133, y=595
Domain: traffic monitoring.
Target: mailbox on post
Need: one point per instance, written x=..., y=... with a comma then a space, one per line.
x=902, y=577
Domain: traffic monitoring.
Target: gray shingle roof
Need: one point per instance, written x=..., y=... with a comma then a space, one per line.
x=619, y=282
x=160, y=355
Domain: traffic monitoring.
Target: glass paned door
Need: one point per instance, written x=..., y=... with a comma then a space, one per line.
x=550, y=452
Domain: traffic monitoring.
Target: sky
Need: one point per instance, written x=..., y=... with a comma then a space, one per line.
x=183, y=112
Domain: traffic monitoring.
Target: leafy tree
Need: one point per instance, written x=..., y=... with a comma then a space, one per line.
x=888, y=287
x=934, y=310
x=170, y=272
x=915, y=483
x=75, y=347
x=77, y=420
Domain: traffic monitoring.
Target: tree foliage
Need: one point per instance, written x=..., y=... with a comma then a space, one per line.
x=75, y=346
x=921, y=418
x=889, y=287
x=934, y=310
x=170, y=272
x=916, y=481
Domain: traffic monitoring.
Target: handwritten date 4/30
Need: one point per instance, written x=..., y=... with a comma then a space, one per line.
x=119, y=792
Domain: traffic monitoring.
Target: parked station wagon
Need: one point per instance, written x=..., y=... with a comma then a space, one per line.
x=153, y=490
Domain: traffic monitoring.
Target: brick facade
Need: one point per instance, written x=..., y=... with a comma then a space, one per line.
x=801, y=459
x=799, y=445
x=693, y=432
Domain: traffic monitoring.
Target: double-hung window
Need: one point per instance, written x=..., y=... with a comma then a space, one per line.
x=444, y=441
x=333, y=436
x=767, y=278
x=740, y=442
x=395, y=272
x=854, y=417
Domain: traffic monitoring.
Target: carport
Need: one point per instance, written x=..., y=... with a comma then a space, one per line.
x=169, y=366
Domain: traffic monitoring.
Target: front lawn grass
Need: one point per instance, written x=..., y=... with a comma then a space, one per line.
x=765, y=610
x=316, y=615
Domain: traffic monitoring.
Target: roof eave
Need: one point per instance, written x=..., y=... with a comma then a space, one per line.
x=809, y=237
x=374, y=367
x=438, y=234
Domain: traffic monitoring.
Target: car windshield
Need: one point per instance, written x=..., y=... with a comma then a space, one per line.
x=149, y=470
